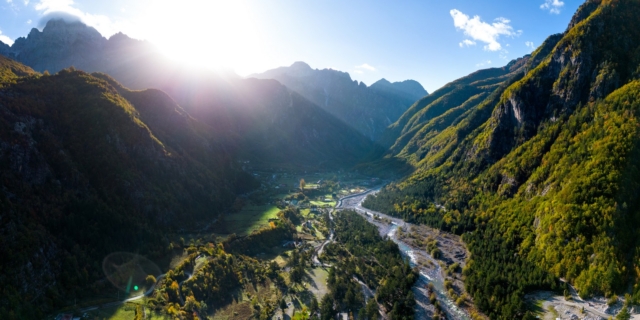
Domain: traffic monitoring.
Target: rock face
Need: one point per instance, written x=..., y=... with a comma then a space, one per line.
x=577, y=72
x=367, y=109
x=409, y=136
x=60, y=44
x=5, y=49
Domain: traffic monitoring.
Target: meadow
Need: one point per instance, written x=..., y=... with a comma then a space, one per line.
x=250, y=218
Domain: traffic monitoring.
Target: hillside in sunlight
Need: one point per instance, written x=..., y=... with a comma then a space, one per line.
x=535, y=164
x=87, y=168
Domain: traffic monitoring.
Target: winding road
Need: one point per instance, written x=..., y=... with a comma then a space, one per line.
x=116, y=303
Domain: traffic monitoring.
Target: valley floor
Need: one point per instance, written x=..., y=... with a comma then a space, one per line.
x=432, y=271
x=440, y=274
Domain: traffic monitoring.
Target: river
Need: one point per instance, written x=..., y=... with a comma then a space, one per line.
x=434, y=275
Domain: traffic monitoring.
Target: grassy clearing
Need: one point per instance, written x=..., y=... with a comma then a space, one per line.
x=318, y=282
x=281, y=261
x=250, y=218
x=322, y=203
x=305, y=212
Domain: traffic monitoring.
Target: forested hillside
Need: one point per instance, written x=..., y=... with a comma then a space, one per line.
x=86, y=171
x=539, y=176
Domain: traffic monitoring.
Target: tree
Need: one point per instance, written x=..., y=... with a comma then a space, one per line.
x=302, y=185
x=326, y=308
x=624, y=314
x=150, y=280
x=372, y=309
x=314, y=305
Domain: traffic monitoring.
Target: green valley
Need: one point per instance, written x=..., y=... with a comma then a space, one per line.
x=138, y=185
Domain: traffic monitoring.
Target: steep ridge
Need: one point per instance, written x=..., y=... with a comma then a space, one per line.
x=435, y=129
x=448, y=97
x=85, y=172
x=367, y=109
x=541, y=176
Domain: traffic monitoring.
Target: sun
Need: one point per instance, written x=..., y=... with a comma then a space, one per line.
x=212, y=34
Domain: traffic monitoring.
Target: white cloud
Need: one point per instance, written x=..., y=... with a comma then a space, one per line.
x=5, y=39
x=54, y=5
x=467, y=43
x=552, y=5
x=366, y=66
x=530, y=45
x=482, y=31
x=29, y=21
x=483, y=63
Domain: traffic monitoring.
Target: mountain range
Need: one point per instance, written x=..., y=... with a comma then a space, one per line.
x=534, y=163
x=138, y=65
x=367, y=109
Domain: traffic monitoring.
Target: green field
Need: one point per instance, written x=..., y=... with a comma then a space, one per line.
x=318, y=282
x=250, y=218
x=322, y=203
x=305, y=212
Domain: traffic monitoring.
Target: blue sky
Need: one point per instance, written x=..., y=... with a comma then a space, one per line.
x=431, y=41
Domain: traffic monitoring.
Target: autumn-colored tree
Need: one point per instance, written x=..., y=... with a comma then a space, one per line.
x=150, y=280
x=302, y=185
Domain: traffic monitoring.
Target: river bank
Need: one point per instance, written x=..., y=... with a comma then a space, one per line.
x=430, y=269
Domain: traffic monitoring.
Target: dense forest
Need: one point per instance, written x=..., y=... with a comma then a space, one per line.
x=540, y=177
x=78, y=159
x=360, y=253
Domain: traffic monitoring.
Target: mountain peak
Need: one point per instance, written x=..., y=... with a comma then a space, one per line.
x=300, y=66
x=382, y=81
x=120, y=37
x=69, y=28
x=411, y=88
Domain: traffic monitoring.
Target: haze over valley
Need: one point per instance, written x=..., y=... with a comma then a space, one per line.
x=237, y=160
